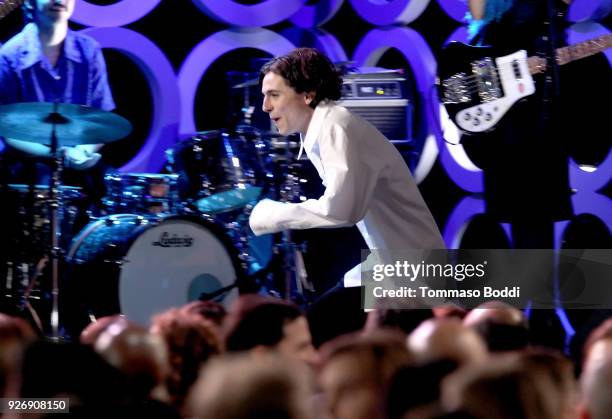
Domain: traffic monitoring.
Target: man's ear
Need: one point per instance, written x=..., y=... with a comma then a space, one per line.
x=309, y=97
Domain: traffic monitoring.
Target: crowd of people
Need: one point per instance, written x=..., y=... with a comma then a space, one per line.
x=257, y=360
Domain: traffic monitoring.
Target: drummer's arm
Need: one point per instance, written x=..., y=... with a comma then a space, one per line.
x=40, y=150
x=101, y=95
x=90, y=148
x=10, y=94
x=102, y=98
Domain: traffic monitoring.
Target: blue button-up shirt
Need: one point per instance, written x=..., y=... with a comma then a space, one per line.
x=79, y=76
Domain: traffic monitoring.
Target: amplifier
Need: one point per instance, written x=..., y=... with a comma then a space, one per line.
x=380, y=97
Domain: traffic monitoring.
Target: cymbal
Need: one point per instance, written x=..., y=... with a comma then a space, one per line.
x=74, y=124
x=248, y=83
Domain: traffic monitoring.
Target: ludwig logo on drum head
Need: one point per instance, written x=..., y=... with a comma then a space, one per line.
x=165, y=240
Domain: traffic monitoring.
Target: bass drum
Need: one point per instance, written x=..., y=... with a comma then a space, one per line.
x=140, y=266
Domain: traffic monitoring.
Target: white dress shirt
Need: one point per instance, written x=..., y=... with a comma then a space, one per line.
x=367, y=183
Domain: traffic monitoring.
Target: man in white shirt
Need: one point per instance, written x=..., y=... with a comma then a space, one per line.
x=366, y=179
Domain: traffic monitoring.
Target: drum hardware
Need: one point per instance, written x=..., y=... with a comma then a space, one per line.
x=142, y=193
x=247, y=80
x=248, y=83
x=273, y=147
x=296, y=278
x=223, y=174
x=27, y=295
x=210, y=296
x=116, y=267
x=46, y=123
x=218, y=171
x=285, y=276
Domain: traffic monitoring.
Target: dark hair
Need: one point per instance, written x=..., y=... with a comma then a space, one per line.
x=257, y=320
x=429, y=378
x=28, y=11
x=307, y=70
x=503, y=337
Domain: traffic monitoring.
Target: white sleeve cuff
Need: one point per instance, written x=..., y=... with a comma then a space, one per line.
x=263, y=219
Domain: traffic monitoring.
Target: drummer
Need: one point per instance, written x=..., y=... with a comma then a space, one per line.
x=47, y=62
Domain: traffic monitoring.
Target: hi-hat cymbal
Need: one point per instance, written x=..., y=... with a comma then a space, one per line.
x=74, y=124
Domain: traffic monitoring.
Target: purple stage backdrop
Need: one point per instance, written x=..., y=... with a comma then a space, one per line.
x=168, y=63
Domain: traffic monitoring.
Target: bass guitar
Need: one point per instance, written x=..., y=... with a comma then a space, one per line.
x=477, y=87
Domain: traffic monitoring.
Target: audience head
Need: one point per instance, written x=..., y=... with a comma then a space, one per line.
x=141, y=357
x=357, y=371
x=115, y=324
x=15, y=335
x=603, y=331
x=191, y=341
x=446, y=339
x=596, y=381
x=502, y=388
x=449, y=311
x=557, y=371
x=257, y=323
x=75, y=371
x=415, y=390
x=389, y=314
x=208, y=310
x=502, y=326
x=244, y=387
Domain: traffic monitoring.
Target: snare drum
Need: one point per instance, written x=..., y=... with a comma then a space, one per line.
x=141, y=193
x=140, y=266
x=218, y=171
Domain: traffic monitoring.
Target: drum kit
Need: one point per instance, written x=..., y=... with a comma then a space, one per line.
x=161, y=240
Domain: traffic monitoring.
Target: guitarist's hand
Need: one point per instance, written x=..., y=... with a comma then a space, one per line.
x=477, y=8
x=536, y=64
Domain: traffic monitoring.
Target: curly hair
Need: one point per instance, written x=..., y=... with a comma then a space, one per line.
x=307, y=70
x=191, y=342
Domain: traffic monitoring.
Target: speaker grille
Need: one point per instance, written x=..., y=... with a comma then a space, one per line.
x=393, y=121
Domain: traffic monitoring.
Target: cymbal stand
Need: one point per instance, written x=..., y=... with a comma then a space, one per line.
x=295, y=277
x=55, y=118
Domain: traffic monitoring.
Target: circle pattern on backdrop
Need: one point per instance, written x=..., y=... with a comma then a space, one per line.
x=207, y=51
x=118, y=14
x=166, y=101
x=268, y=12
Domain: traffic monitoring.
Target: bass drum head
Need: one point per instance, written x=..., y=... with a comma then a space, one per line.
x=140, y=266
x=171, y=264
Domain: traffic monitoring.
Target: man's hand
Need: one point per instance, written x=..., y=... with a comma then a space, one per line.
x=80, y=158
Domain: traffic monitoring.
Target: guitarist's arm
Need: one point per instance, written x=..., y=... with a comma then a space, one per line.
x=477, y=8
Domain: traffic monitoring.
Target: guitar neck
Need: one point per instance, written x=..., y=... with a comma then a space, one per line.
x=571, y=53
x=8, y=6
